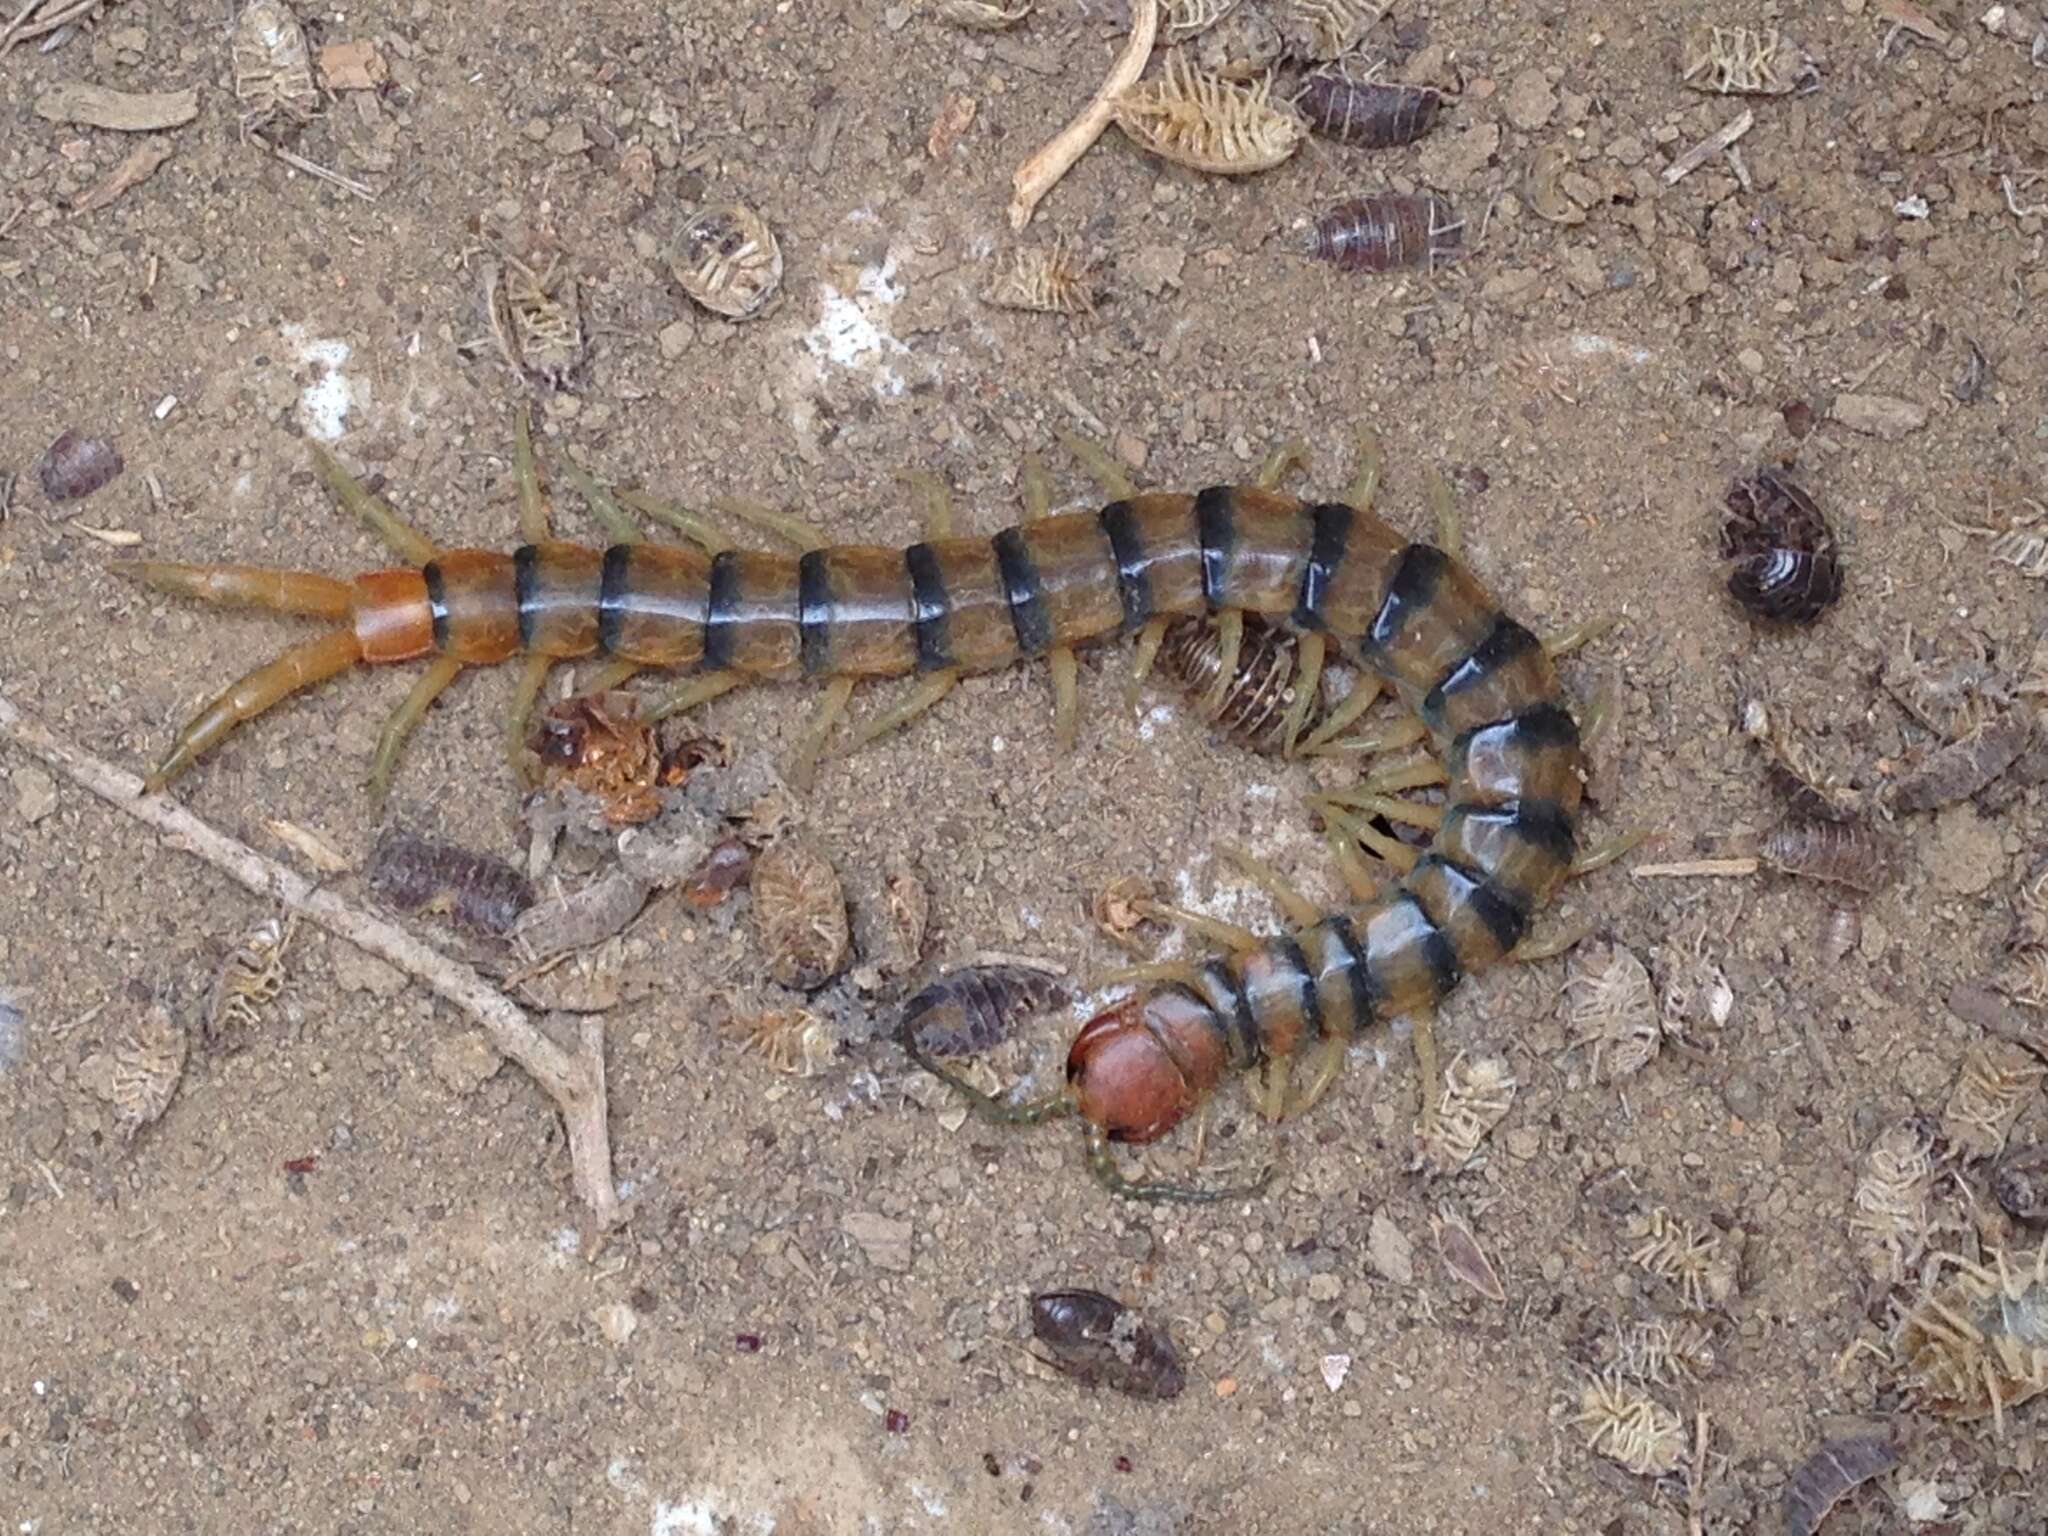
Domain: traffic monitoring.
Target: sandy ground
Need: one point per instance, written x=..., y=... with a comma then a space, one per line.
x=404, y=1334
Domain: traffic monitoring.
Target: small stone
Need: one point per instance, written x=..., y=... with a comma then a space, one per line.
x=1752, y=361
x=568, y=139
x=35, y=794
x=1388, y=1250
x=676, y=338
x=1883, y=416
x=1529, y=101
x=464, y=1063
x=1324, y=1287
x=1523, y=1142
x=1131, y=449
x=616, y=1321
x=1153, y=268
x=1968, y=854
x=884, y=1239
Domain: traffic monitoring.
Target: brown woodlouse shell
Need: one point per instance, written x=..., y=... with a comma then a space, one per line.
x=1850, y=853
x=1096, y=1338
x=73, y=467
x=727, y=259
x=1830, y=1475
x=1206, y=123
x=473, y=890
x=1260, y=692
x=1787, y=566
x=1386, y=231
x=2020, y=1184
x=1366, y=114
x=976, y=1008
x=800, y=914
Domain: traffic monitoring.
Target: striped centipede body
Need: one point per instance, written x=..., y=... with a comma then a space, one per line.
x=1334, y=576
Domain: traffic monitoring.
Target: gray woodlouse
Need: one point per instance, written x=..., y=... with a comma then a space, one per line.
x=73, y=467
x=1097, y=1338
x=974, y=1009
x=1385, y=231
x=1786, y=564
x=1365, y=113
x=475, y=891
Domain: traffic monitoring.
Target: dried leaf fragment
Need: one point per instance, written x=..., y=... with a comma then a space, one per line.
x=727, y=259
x=800, y=914
x=1463, y=1257
x=136, y=167
x=956, y=116
x=1206, y=123
x=353, y=66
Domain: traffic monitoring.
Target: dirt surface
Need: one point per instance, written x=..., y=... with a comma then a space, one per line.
x=339, y=1286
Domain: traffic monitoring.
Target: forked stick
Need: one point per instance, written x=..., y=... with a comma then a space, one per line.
x=574, y=1080
x=1037, y=176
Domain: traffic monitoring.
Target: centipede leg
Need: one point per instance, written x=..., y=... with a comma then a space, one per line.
x=1332, y=1053
x=533, y=676
x=429, y=687
x=1102, y=468
x=1549, y=946
x=1410, y=773
x=983, y=1105
x=930, y=689
x=244, y=586
x=698, y=690
x=1066, y=695
x=615, y=673
x=1292, y=454
x=1102, y=1164
x=694, y=526
x=803, y=764
x=1269, y=1094
x=298, y=668
x=1225, y=935
x=1428, y=1071
x=793, y=531
x=1358, y=879
x=533, y=506
x=1360, y=831
x=938, y=502
x=1036, y=486
x=1450, y=533
x=412, y=546
x=1300, y=911
x=1604, y=854
x=1147, y=651
x=1597, y=718
x=1229, y=647
x=1155, y=973
x=1355, y=703
x=1365, y=480
x=1429, y=817
x=1308, y=680
x=618, y=527
x=1565, y=641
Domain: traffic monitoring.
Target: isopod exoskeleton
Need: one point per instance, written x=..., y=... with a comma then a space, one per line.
x=1098, y=1339
x=1787, y=566
x=1386, y=231
x=1365, y=113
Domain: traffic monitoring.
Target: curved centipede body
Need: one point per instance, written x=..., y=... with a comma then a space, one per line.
x=1485, y=690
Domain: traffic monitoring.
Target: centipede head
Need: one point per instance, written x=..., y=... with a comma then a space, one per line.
x=1137, y=1069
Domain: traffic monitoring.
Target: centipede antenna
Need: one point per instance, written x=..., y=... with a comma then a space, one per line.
x=792, y=531
x=1300, y=911
x=1450, y=533
x=1332, y=1053
x=1418, y=772
x=929, y=690
x=1102, y=468
x=1289, y=455
x=698, y=690
x=803, y=764
x=414, y=547
x=1229, y=935
x=985, y=1106
x=1365, y=480
x=429, y=687
x=1146, y=652
x=1102, y=1164
x=1036, y=485
x=1565, y=641
x=1428, y=1073
x=533, y=506
x=1566, y=936
x=1152, y=973
x=1066, y=695
x=1308, y=681
x=533, y=676
x=1323, y=738
x=618, y=527
x=1606, y=853
x=1229, y=647
x=937, y=499
x=695, y=527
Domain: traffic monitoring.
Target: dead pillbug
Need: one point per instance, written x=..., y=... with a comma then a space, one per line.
x=1206, y=123
x=1184, y=19
x=1251, y=708
x=1327, y=29
x=1997, y=1081
x=2020, y=1184
x=1978, y=1345
x=273, y=68
x=73, y=467
x=983, y=15
x=974, y=1009
x=1367, y=114
x=472, y=890
x=1387, y=231
x=1241, y=47
x=1049, y=279
x=800, y=911
x=1096, y=1338
x=1960, y=768
x=1851, y=853
x=1830, y=1475
x=1786, y=564
x=728, y=260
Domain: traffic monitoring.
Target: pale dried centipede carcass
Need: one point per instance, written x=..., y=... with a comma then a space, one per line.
x=537, y=318
x=1627, y=1425
x=273, y=68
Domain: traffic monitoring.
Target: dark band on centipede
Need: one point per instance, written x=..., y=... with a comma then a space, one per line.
x=1507, y=642
x=1326, y=553
x=437, y=602
x=1127, y=545
x=1025, y=593
x=524, y=560
x=1216, y=527
x=614, y=589
x=1309, y=1001
x=928, y=607
x=1222, y=992
x=1411, y=591
x=814, y=612
x=721, y=620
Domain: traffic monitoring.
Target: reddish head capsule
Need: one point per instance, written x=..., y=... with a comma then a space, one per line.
x=1137, y=1069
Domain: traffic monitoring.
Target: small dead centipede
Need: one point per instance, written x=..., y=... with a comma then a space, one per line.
x=1483, y=690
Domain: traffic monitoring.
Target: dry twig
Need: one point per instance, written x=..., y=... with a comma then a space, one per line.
x=1038, y=175
x=574, y=1080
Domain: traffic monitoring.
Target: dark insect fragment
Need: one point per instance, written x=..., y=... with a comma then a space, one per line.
x=2020, y=1184
x=1786, y=563
x=1254, y=705
x=472, y=890
x=974, y=1009
x=725, y=869
x=1975, y=378
x=74, y=467
x=1096, y=1338
x=1365, y=114
x=1961, y=768
x=1385, y=231
x=1829, y=1475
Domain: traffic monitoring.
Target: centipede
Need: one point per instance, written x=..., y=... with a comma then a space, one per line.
x=1480, y=690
